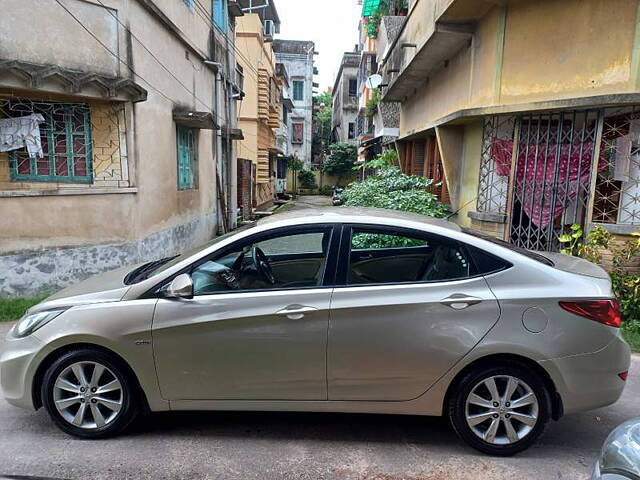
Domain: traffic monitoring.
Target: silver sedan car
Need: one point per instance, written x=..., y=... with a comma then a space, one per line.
x=336, y=310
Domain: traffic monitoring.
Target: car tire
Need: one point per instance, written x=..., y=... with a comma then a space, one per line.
x=93, y=407
x=494, y=421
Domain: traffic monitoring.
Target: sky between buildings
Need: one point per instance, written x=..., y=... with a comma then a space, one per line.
x=331, y=24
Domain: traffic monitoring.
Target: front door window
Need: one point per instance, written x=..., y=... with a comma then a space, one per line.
x=285, y=261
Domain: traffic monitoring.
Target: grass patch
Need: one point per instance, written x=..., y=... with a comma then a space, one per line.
x=11, y=309
x=632, y=338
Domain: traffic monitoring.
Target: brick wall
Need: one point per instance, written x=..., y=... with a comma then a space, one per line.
x=246, y=200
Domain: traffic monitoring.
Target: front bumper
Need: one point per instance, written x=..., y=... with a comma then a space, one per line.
x=17, y=368
x=591, y=380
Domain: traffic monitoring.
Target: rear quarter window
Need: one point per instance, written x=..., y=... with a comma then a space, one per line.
x=486, y=263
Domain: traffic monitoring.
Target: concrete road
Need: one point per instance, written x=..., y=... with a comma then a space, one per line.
x=311, y=201
x=299, y=446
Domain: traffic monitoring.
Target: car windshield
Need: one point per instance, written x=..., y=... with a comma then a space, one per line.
x=523, y=251
x=152, y=269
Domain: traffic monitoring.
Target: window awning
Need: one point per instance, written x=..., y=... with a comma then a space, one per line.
x=203, y=120
x=369, y=7
x=233, y=133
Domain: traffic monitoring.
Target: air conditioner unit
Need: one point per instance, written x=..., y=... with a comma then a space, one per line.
x=269, y=29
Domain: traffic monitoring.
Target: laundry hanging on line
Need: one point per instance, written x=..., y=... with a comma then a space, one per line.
x=20, y=132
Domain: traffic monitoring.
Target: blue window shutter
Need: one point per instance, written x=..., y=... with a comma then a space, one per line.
x=186, y=151
x=220, y=15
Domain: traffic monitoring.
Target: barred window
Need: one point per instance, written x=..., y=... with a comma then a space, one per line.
x=617, y=195
x=65, y=137
x=187, y=157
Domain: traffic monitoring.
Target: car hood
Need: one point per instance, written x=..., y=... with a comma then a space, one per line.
x=105, y=287
x=576, y=265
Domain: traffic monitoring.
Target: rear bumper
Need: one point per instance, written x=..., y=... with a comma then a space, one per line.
x=590, y=380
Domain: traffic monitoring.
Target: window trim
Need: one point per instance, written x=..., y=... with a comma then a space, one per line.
x=328, y=280
x=14, y=176
x=342, y=273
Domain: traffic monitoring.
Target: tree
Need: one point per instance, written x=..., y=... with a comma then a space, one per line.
x=342, y=159
x=322, y=117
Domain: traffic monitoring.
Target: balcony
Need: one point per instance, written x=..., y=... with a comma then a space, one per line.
x=434, y=32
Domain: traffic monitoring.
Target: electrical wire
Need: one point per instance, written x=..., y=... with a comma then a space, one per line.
x=153, y=55
x=113, y=53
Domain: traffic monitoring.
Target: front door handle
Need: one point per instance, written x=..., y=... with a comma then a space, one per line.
x=460, y=301
x=295, y=312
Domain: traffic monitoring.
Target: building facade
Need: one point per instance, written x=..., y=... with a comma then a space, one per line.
x=536, y=128
x=346, y=93
x=298, y=59
x=259, y=112
x=112, y=150
x=282, y=133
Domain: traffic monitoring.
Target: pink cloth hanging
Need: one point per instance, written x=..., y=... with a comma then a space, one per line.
x=536, y=191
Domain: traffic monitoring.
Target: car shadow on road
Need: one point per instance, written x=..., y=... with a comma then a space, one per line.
x=432, y=434
x=300, y=426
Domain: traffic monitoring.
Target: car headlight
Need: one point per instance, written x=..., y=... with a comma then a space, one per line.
x=30, y=323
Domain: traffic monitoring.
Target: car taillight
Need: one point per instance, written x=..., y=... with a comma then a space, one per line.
x=623, y=376
x=603, y=311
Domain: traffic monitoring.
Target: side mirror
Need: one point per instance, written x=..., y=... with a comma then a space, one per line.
x=180, y=287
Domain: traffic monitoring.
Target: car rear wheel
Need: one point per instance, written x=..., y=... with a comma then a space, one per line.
x=89, y=393
x=500, y=410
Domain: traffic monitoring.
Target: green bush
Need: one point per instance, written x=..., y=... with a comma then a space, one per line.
x=391, y=189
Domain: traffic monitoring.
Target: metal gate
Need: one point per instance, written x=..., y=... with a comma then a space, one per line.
x=551, y=183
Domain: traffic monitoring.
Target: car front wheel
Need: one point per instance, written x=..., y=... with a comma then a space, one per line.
x=500, y=410
x=89, y=393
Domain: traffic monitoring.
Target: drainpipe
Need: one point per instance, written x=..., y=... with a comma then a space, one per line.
x=219, y=174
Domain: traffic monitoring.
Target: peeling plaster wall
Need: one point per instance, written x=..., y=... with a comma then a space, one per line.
x=32, y=272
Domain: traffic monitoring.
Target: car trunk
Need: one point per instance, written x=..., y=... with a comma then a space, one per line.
x=576, y=265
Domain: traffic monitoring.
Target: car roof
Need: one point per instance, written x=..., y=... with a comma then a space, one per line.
x=354, y=215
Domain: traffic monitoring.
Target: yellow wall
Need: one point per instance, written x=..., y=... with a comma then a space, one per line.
x=254, y=55
x=565, y=49
x=552, y=50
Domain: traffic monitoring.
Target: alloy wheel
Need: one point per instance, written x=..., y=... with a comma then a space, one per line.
x=88, y=395
x=501, y=410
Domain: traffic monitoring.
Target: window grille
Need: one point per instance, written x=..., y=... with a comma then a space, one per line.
x=617, y=194
x=187, y=157
x=66, y=141
x=493, y=187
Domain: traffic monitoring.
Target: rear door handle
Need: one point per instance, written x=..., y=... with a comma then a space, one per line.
x=460, y=301
x=295, y=312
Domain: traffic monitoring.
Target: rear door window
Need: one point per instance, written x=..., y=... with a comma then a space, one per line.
x=382, y=256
